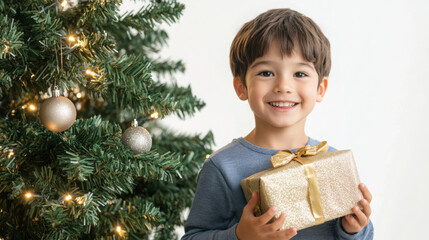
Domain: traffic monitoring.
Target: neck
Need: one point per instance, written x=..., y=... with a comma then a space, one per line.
x=267, y=136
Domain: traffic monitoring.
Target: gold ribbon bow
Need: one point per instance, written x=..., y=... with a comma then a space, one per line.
x=282, y=158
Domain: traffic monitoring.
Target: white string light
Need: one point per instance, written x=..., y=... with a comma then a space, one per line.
x=28, y=195
x=11, y=154
x=32, y=107
x=78, y=43
x=154, y=115
x=91, y=73
x=68, y=197
x=80, y=200
x=119, y=230
x=71, y=39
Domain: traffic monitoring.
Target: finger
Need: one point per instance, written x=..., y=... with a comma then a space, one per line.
x=352, y=222
x=284, y=234
x=289, y=233
x=362, y=218
x=365, y=192
x=266, y=217
x=276, y=225
x=366, y=207
x=250, y=206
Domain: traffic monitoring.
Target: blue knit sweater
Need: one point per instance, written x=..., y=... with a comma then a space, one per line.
x=219, y=200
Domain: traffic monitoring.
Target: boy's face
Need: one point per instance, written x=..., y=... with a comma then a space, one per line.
x=281, y=90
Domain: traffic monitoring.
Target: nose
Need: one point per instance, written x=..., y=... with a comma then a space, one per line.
x=283, y=84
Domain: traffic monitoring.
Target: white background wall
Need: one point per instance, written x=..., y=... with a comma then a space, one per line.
x=376, y=103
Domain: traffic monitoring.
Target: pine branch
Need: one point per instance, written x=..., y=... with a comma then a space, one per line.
x=10, y=38
x=168, y=66
x=148, y=42
x=91, y=48
x=150, y=15
x=94, y=14
x=5, y=82
x=196, y=148
x=136, y=214
x=125, y=83
x=177, y=99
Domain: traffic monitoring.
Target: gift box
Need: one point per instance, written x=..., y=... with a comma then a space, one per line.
x=311, y=186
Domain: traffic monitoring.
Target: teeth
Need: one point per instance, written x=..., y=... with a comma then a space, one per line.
x=282, y=104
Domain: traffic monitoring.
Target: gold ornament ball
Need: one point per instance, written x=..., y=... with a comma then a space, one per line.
x=137, y=139
x=57, y=113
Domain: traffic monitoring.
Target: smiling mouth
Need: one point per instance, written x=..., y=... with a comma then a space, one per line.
x=282, y=104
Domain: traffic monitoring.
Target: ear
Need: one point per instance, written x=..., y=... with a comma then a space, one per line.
x=240, y=89
x=322, y=89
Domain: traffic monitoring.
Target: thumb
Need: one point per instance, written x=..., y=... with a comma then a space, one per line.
x=253, y=202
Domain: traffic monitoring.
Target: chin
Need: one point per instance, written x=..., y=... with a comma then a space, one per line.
x=283, y=125
x=287, y=124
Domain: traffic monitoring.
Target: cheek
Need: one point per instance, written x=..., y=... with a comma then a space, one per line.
x=254, y=97
x=257, y=93
x=309, y=92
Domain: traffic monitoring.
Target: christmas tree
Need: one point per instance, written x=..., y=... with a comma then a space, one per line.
x=88, y=178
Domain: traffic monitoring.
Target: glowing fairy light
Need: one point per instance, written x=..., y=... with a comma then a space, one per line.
x=71, y=39
x=78, y=95
x=154, y=115
x=64, y=3
x=28, y=195
x=91, y=73
x=78, y=43
x=32, y=107
x=119, y=231
x=11, y=153
x=68, y=197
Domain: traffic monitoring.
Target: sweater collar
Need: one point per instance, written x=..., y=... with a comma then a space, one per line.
x=268, y=151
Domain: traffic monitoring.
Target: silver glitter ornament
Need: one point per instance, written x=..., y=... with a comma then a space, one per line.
x=137, y=138
x=57, y=113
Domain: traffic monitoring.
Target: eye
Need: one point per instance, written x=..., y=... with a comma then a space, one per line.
x=300, y=75
x=266, y=74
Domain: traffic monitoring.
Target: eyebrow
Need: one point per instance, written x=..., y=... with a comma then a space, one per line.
x=260, y=63
x=306, y=64
x=270, y=62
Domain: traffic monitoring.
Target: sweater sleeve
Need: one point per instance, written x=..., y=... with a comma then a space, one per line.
x=367, y=233
x=212, y=213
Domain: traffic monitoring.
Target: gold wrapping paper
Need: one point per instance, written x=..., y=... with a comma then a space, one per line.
x=287, y=188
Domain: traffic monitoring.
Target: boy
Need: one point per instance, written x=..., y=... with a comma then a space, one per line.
x=280, y=62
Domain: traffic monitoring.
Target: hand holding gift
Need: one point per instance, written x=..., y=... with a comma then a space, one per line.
x=312, y=186
x=353, y=223
x=251, y=227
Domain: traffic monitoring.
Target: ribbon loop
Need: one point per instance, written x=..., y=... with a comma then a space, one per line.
x=282, y=158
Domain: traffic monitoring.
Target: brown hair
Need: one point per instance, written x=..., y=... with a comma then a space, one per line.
x=287, y=26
